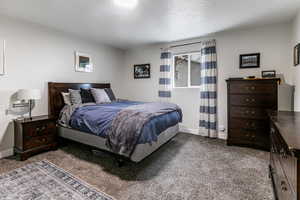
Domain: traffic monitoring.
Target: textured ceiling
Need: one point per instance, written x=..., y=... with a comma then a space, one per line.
x=152, y=21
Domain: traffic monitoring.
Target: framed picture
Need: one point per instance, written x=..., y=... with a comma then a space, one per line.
x=142, y=71
x=250, y=60
x=2, y=57
x=297, y=55
x=83, y=62
x=268, y=74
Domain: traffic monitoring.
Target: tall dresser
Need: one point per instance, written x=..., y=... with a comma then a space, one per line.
x=248, y=102
x=285, y=154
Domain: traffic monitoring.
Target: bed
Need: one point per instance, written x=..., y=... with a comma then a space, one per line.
x=141, y=149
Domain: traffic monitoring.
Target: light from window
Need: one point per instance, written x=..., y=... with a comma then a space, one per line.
x=187, y=70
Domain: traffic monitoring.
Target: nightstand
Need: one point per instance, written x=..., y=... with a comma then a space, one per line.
x=34, y=135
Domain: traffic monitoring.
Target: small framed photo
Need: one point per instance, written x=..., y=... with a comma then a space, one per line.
x=250, y=60
x=268, y=74
x=83, y=62
x=297, y=55
x=142, y=71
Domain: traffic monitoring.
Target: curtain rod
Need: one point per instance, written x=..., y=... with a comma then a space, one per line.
x=185, y=44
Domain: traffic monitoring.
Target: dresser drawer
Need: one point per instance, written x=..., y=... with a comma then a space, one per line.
x=38, y=141
x=284, y=190
x=248, y=112
x=243, y=135
x=266, y=101
x=248, y=123
x=252, y=88
x=287, y=162
x=39, y=129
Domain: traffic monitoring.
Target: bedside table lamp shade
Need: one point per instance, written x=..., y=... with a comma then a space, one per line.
x=30, y=95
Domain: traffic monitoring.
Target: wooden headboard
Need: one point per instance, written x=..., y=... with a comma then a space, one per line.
x=55, y=100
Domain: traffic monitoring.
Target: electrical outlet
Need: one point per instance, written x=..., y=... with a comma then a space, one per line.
x=222, y=128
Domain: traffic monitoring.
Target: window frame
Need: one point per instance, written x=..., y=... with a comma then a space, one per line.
x=189, y=54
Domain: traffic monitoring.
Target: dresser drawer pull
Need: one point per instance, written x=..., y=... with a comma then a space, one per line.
x=283, y=153
x=283, y=186
x=272, y=130
x=250, y=88
x=40, y=129
x=43, y=140
x=250, y=100
x=252, y=125
x=247, y=112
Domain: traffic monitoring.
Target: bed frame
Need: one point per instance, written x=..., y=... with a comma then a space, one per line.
x=56, y=104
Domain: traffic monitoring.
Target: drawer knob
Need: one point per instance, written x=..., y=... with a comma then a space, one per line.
x=253, y=88
x=43, y=140
x=272, y=130
x=40, y=129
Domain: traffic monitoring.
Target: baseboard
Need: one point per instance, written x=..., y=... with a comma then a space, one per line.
x=188, y=130
x=222, y=135
x=6, y=153
x=184, y=129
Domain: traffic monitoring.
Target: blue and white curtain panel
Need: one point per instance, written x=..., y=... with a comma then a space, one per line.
x=165, y=78
x=208, y=90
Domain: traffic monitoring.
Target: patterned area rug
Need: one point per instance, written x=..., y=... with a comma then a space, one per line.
x=45, y=181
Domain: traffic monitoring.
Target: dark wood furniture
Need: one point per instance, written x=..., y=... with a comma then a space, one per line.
x=285, y=154
x=248, y=102
x=56, y=102
x=34, y=135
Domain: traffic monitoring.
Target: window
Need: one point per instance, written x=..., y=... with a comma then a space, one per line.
x=187, y=70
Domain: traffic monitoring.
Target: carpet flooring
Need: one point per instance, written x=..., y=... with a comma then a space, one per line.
x=187, y=168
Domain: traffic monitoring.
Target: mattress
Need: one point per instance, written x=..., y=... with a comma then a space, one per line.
x=97, y=119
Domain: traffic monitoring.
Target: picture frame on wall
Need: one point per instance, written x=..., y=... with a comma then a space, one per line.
x=297, y=55
x=268, y=74
x=142, y=71
x=83, y=62
x=2, y=57
x=250, y=60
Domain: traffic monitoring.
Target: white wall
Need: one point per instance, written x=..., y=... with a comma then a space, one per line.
x=296, y=70
x=273, y=42
x=36, y=55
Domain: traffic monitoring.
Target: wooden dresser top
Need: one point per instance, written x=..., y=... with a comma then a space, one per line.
x=288, y=124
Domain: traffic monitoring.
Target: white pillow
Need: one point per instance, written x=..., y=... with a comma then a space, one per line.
x=100, y=95
x=66, y=97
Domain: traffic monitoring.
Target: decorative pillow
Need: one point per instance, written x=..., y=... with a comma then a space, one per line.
x=110, y=94
x=75, y=96
x=66, y=98
x=100, y=95
x=86, y=96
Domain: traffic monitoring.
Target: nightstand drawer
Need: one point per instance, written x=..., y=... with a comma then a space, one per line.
x=39, y=129
x=38, y=141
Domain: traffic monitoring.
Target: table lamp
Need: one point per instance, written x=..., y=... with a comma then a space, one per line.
x=30, y=95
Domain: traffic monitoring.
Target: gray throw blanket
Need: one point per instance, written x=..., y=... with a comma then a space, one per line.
x=127, y=126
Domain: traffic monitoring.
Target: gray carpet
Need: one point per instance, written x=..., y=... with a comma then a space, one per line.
x=187, y=168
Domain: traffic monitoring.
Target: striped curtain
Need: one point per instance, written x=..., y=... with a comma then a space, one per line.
x=165, y=78
x=208, y=90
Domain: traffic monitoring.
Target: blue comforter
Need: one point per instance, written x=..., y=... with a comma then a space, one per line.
x=96, y=119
